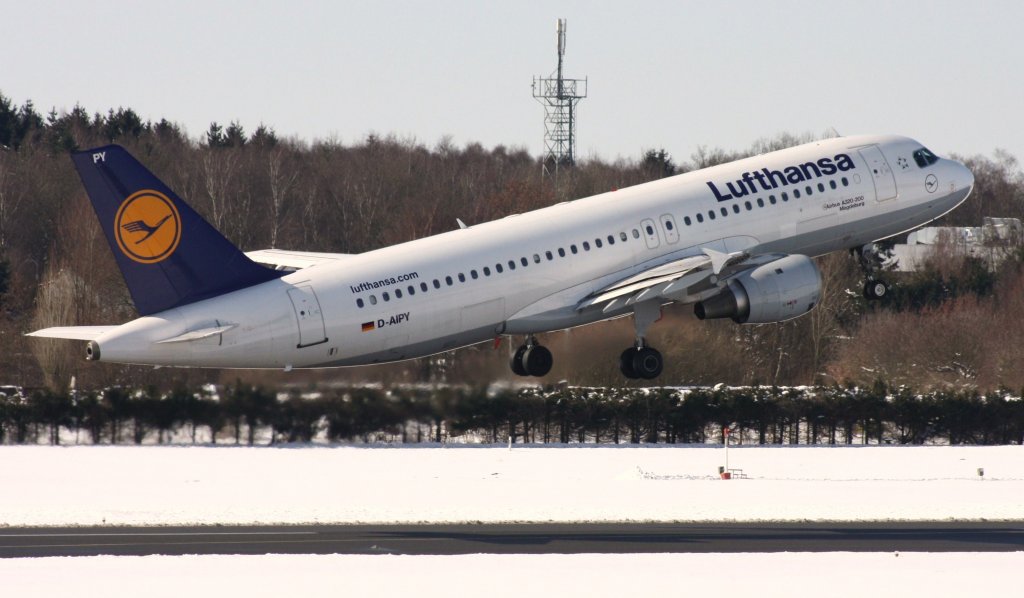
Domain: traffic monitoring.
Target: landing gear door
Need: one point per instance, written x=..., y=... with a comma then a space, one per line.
x=881, y=174
x=309, y=316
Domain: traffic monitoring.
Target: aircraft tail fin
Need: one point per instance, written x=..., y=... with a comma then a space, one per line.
x=168, y=254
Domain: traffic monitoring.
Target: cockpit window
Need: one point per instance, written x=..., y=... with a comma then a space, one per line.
x=925, y=158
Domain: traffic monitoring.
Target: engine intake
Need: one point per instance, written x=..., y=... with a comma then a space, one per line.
x=774, y=292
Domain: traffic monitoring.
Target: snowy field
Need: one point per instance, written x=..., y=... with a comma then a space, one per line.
x=169, y=485
x=833, y=574
x=85, y=485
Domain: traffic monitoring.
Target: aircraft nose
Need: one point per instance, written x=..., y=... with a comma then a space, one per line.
x=967, y=177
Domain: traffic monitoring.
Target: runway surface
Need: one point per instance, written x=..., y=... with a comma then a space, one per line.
x=554, y=538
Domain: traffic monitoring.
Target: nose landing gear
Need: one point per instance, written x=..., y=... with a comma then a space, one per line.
x=870, y=262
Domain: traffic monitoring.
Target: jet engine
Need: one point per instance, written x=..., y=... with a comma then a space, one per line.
x=772, y=292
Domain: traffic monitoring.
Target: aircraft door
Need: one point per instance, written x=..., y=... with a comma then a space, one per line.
x=881, y=174
x=668, y=226
x=650, y=231
x=309, y=316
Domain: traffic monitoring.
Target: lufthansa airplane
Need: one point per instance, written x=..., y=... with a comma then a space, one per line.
x=734, y=240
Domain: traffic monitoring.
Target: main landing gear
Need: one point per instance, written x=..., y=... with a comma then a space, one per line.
x=870, y=262
x=638, y=361
x=641, y=361
x=532, y=359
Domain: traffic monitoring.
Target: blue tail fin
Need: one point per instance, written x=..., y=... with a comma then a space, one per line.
x=168, y=254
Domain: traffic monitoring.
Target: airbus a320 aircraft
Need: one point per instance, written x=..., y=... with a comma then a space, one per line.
x=735, y=240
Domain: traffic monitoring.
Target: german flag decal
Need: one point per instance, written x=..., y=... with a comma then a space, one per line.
x=368, y=326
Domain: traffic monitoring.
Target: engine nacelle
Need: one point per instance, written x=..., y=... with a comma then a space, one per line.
x=773, y=292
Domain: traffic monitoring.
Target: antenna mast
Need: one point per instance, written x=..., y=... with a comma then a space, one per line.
x=559, y=96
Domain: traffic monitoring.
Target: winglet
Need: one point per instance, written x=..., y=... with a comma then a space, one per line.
x=168, y=254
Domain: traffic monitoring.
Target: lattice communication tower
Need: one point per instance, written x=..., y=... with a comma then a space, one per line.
x=559, y=97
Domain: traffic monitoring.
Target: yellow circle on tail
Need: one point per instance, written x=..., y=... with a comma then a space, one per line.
x=147, y=227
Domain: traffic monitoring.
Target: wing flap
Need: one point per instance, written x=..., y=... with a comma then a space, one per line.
x=672, y=281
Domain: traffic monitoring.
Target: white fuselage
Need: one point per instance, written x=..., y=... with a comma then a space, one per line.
x=372, y=307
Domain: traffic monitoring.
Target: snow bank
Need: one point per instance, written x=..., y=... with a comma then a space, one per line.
x=764, y=575
x=231, y=485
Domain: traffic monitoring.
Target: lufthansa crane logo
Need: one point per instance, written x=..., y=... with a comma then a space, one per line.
x=147, y=227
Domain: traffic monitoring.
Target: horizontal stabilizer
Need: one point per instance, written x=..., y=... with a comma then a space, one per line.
x=283, y=259
x=76, y=333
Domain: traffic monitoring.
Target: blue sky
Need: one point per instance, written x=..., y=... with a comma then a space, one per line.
x=674, y=75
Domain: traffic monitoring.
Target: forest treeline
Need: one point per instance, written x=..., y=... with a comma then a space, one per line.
x=952, y=326
x=241, y=413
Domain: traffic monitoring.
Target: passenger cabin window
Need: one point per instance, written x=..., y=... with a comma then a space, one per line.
x=700, y=217
x=687, y=221
x=423, y=287
x=448, y=280
x=636, y=234
x=925, y=158
x=359, y=302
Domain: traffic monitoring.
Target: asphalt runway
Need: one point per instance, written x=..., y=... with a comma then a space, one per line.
x=554, y=538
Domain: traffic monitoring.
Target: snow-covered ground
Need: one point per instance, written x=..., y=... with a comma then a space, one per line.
x=170, y=485
x=835, y=574
x=167, y=485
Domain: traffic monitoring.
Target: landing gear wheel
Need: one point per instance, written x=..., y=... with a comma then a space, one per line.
x=647, y=363
x=537, y=361
x=875, y=290
x=517, y=362
x=626, y=363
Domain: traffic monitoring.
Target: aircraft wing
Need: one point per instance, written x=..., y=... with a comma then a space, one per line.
x=680, y=280
x=76, y=333
x=283, y=259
